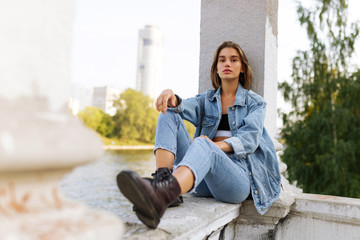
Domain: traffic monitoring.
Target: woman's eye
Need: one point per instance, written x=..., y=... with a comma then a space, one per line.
x=221, y=60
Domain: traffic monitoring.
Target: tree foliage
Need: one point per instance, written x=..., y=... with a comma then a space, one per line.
x=322, y=133
x=134, y=122
x=135, y=117
x=97, y=120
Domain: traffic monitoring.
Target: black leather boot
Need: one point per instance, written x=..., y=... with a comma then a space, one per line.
x=160, y=175
x=149, y=201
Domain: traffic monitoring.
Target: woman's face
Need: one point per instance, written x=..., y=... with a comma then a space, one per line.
x=229, y=64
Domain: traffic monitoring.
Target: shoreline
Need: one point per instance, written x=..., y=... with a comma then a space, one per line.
x=129, y=147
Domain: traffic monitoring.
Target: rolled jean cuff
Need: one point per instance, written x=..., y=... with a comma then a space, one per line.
x=172, y=150
x=192, y=190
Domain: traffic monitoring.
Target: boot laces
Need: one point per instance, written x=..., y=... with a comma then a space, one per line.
x=162, y=177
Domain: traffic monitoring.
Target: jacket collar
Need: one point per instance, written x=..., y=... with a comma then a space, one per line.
x=239, y=98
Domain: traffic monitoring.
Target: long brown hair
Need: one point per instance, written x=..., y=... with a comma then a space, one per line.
x=244, y=78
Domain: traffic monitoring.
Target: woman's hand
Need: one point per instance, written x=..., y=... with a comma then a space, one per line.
x=206, y=137
x=221, y=144
x=166, y=98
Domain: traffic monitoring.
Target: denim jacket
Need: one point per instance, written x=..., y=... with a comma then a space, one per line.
x=250, y=140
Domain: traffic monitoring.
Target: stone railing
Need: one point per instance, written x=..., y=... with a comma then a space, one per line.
x=294, y=215
x=309, y=217
x=321, y=217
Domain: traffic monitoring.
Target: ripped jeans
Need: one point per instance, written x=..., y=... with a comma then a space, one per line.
x=217, y=174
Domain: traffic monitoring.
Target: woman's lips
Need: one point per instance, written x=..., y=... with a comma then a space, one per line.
x=227, y=71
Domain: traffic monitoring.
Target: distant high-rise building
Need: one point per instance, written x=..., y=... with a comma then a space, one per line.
x=104, y=98
x=149, y=62
x=81, y=97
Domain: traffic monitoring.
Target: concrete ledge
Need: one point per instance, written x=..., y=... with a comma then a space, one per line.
x=311, y=216
x=328, y=208
x=197, y=218
x=279, y=209
x=321, y=217
x=206, y=218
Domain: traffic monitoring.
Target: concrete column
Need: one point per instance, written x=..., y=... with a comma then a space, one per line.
x=39, y=140
x=35, y=122
x=35, y=46
x=253, y=25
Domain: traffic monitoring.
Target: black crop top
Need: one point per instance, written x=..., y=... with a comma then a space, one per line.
x=224, y=123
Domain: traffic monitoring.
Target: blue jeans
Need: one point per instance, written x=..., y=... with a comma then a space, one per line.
x=217, y=174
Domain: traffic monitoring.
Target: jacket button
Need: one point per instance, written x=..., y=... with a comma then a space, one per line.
x=256, y=192
x=233, y=123
x=250, y=173
x=233, y=108
x=244, y=157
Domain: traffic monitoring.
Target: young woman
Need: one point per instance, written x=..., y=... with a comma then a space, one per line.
x=231, y=156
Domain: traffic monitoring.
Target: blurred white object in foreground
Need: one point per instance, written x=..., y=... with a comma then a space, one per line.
x=39, y=139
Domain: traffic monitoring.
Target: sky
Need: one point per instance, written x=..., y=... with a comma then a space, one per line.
x=105, y=40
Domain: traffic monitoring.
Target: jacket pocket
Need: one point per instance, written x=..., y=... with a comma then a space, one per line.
x=208, y=121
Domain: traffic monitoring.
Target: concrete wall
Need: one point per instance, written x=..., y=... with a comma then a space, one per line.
x=253, y=25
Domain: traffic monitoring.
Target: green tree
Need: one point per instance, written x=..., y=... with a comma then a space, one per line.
x=97, y=120
x=135, y=118
x=322, y=133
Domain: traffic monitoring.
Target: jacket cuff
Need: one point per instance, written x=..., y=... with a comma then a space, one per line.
x=236, y=145
x=180, y=107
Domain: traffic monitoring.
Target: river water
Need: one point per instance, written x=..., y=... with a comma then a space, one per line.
x=94, y=184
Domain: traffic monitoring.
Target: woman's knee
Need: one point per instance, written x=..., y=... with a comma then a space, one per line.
x=201, y=148
x=203, y=143
x=169, y=116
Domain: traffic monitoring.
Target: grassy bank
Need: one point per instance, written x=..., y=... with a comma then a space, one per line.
x=122, y=142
